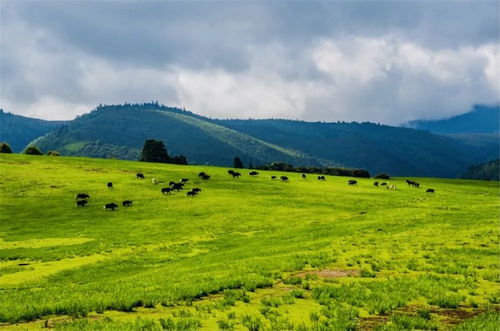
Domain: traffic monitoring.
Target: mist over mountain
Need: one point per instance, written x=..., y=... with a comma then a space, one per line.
x=482, y=119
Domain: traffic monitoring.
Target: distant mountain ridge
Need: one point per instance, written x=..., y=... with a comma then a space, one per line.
x=118, y=131
x=482, y=119
x=19, y=130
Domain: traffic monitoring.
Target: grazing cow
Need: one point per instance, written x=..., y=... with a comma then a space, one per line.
x=253, y=173
x=184, y=180
x=167, y=190
x=321, y=178
x=412, y=183
x=140, y=176
x=127, y=203
x=81, y=203
x=352, y=182
x=273, y=177
x=230, y=171
x=206, y=177
x=375, y=184
x=191, y=193
x=110, y=185
x=177, y=186
x=383, y=184
x=196, y=189
x=171, y=183
x=391, y=187
x=284, y=178
x=304, y=176
x=110, y=206
x=201, y=174
x=82, y=196
x=430, y=190
x=236, y=174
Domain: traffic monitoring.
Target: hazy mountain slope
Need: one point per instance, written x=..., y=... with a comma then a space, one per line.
x=486, y=171
x=378, y=148
x=120, y=131
x=18, y=130
x=482, y=119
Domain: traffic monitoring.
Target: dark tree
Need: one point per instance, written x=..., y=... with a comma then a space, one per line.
x=5, y=148
x=33, y=150
x=178, y=159
x=237, y=163
x=154, y=151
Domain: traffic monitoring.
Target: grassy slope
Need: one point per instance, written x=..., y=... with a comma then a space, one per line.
x=121, y=133
x=437, y=254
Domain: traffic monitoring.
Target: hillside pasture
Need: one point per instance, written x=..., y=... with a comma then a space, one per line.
x=245, y=253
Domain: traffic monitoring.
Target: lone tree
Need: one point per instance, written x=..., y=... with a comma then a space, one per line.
x=237, y=163
x=5, y=148
x=33, y=150
x=154, y=151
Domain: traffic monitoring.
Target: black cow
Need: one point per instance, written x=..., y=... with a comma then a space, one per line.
x=383, y=184
x=127, y=203
x=140, y=176
x=171, y=183
x=177, y=186
x=110, y=185
x=201, y=174
x=184, y=180
x=82, y=196
x=321, y=178
x=375, y=184
x=167, y=190
x=236, y=174
x=412, y=183
x=230, y=171
x=206, y=177
x=303, y=176
x=191, y=193
x=196, y=189
x=110, y=206
x=284, y=178
x=352, y=182
x=81, y=203
x=273, y=177
x=430, y=190
x=253, y=173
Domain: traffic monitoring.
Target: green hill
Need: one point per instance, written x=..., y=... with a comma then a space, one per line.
x=378, y=148
x=120, y=132
x=248, y=253
x=18, y=130
x=484, y=171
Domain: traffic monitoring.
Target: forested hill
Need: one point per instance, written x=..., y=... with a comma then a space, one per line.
x=18, y=130
x=120, y=132
x=485, y=171
x=482, y=119
x=378, y=148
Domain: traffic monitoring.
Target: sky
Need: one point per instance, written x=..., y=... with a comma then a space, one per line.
x=386, y=62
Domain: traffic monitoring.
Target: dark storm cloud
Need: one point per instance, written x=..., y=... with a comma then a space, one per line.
x=382, y=61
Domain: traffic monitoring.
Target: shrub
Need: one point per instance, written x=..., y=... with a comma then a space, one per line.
x=54, y=153
x=382, y=176
x=5, y=148
x=32, y=150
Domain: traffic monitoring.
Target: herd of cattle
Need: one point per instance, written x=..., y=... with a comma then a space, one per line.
x=82, y=198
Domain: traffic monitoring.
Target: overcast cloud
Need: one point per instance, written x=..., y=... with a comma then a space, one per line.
x=386, y=62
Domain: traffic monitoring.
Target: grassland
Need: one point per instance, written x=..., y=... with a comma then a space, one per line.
x=247, y=253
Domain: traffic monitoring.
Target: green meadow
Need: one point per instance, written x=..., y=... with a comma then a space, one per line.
x=245, y=254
